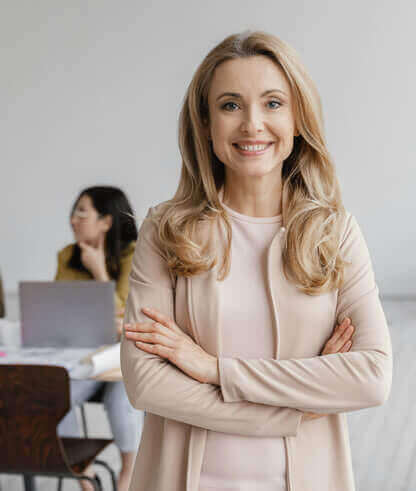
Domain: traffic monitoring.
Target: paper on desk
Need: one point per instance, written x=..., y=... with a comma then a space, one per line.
x=10, y=333
x=107, y=359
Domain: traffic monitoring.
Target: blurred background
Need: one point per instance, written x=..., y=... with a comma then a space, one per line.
x=90, y=94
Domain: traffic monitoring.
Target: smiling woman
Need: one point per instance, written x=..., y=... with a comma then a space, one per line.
x=251, y=122
x=256, y=278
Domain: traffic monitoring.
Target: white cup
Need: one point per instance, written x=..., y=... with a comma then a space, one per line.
x=10, y=333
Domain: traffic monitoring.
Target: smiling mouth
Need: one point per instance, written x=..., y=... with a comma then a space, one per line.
x=252, y=149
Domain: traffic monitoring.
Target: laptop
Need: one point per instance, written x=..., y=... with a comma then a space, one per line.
x=67, y=314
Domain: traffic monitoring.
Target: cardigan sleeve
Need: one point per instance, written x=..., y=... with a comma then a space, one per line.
x=122, y=285
x=331, y=383
x=62, y=257
x=159, y=387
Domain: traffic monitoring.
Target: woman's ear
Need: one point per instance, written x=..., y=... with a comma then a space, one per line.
x=107, y=221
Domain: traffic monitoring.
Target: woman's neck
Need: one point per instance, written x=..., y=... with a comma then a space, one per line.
x=259, y=200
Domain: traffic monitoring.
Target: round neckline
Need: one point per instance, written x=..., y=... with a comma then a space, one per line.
x=249, y=218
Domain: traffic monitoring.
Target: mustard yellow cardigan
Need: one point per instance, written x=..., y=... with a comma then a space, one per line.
x=66, y=273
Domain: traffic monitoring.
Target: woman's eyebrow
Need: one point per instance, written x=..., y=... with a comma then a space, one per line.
x=239, y=96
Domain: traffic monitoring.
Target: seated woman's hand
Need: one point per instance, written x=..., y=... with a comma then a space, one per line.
x=339, y=342
x=163, y=337
x=93, y=258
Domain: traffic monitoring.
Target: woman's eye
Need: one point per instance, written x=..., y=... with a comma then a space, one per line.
x=227, y=104
x=277, y=102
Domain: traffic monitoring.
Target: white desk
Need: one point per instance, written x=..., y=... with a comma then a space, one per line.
x=67, y=357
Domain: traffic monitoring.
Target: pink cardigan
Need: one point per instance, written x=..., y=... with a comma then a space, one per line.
x=246, y=325
x=259, y=397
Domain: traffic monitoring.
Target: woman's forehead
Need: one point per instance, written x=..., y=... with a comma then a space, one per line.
x=85, y=201
x=248, y=76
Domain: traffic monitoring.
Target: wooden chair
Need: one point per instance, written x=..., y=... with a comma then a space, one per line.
x=34, y=398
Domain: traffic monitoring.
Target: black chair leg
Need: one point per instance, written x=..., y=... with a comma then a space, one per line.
x=29, y=482
x=110, y=470
x=99, y=484
x=84, y=420
x=60, y=484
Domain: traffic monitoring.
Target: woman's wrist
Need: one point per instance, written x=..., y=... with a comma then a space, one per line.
x=101, y=275
x=214, y=375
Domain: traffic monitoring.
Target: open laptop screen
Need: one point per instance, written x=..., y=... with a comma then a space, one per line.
x=64, y=314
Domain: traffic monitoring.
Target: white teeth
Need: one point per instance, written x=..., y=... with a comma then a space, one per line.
x=253, y=148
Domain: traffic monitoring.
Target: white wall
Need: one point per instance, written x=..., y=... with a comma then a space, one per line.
x=91, y=90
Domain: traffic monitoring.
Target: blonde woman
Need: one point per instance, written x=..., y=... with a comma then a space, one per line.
x=257, y=278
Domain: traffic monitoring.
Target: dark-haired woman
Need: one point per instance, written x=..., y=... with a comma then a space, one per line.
x=105, y=236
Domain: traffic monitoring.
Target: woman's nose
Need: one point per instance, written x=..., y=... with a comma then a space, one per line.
x=252, y=122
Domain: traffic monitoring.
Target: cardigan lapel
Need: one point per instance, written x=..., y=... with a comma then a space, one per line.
x=204, y=296
x=203, y=302
x=274, y=265
x=203, y=310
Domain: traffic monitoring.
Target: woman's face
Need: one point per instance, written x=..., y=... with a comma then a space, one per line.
x=86, y=222
x=256, y=107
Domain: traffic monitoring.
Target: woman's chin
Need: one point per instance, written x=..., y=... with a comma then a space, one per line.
x=257, y=170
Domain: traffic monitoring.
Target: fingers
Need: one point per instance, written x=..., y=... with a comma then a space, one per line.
x=155, y=338
x=344, y=336
x=346, y=347
x=133, y=331
x=336, y=345
x=338, y=341
x=309, y=416
x=156, y=349
x=152, y=337
x=345, y=323
x=101, y=241
x=162, y=319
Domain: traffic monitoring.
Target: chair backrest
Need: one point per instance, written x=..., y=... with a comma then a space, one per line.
x=33, y=399
x=2, y=300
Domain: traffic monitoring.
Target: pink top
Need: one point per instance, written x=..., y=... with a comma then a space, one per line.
x=233, y=462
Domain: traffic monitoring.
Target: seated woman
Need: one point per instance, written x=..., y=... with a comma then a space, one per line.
x=105, y=235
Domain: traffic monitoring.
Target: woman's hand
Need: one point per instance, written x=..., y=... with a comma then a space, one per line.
x=339, y=342
x=93, y=258
x=162, y=337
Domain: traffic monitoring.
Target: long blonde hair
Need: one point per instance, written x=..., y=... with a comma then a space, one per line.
x=312, y=212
